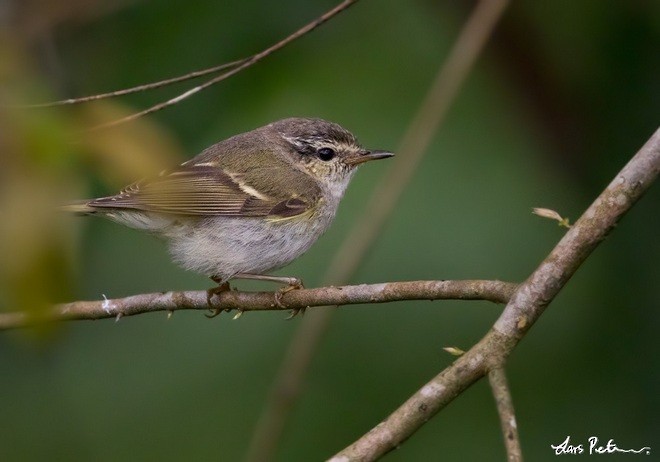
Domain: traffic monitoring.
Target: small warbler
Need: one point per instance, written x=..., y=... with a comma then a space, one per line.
x=246, y=205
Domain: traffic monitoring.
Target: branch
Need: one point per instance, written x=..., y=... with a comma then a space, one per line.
x=494, y=291
x=523, y=310
x=234, y=68
x=502, y=395
x=136, y=89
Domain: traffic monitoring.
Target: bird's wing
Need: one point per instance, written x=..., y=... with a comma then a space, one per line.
x=195, y=189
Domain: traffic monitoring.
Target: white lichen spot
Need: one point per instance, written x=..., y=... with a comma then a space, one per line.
x=339, y=459
x=478, y=359
x=432, y=390
x=621, y=199
x=380, y=433
x=107, y=305
x=512, y=423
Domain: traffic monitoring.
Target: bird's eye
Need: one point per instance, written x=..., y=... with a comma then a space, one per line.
x=326, y=154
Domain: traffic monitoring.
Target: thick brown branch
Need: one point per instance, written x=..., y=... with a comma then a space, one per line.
x=523, y=310
x=494, y=291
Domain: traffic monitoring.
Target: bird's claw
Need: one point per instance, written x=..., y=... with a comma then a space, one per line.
x=210, y=293
x=295, y=284
x=295, y=312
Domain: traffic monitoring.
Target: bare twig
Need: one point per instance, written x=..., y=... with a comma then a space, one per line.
x=494, y=291
x=452, y=74
x=139, y=88
x=502, y=395
x=240, y=65
x=523, y=310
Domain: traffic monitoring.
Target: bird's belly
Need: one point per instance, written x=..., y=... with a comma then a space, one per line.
x=224, y=246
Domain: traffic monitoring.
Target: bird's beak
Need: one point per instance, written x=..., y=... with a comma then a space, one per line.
x=366, y=156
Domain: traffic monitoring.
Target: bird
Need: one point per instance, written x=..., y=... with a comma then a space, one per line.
x=247, y=205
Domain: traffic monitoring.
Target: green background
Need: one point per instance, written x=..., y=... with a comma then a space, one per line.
x=564, y=94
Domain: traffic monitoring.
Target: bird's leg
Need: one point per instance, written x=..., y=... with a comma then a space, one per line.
x=223, y=286
x=290, y=283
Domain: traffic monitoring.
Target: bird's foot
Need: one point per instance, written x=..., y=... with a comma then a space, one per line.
x=210, y=293
x=293, y=284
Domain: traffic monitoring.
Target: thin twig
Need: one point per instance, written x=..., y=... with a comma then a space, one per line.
x=242, y=65
x=504, y=403
x=523, y=310
x=136, y=89
x=493, y=291
x=288, y=382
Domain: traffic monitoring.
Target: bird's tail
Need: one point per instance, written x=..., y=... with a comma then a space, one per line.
x=79, y=208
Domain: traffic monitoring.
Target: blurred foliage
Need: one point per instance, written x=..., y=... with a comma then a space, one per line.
x=120, y=155
x=35, y=244
x=564, y=95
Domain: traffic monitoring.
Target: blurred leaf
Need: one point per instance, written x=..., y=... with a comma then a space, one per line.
x=40, y=151
x=128, y=152
x=35, y=241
